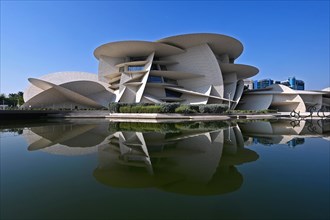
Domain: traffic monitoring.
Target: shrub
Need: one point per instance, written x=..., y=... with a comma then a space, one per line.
x=265, y=111
x=184, y=109
x=188, y=125
x=147, y=127
x=151, y=109
x=136, y=109
x=194, y=108
x=114, y=107
x=213, y=108
x=214, y=125
x=168, y=107
x=125, y=109
x=113, y=127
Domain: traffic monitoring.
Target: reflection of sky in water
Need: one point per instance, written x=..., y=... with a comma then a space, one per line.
x=182, y=158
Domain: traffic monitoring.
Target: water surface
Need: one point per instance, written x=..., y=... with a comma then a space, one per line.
x=96, y=169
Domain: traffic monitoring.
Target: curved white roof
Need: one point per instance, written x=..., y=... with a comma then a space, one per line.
x=61, y=86
x=59, y=78
x=44, y=85
x=135, y=49
x=220, y=44
x=243, y=71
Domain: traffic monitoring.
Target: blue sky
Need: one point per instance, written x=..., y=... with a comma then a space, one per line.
x=281, y=38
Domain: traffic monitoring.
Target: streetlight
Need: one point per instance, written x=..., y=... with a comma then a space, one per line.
x=229, y=93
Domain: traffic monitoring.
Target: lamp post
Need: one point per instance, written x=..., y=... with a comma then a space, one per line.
x=229, y=93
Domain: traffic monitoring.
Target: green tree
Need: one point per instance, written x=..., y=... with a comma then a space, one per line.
x=13, y=99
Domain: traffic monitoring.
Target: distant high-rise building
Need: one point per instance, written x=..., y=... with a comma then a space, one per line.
x=260, y=84
x=296, y=84
x=292, y=82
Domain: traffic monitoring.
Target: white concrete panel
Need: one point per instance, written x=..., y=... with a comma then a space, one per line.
x=238, y=93
x=128, y=96
x=193, y=99
x=255, y=102
x=144, y=80
x=158, y=92
x=224, y=58
x=311, y=100
x=103, y=98
x=84, y=87
x=72, y=87
x=220, y=44
x=287, y=103
x=107, y=65
x=199, y=60
x=230, y=81
x=57, y=79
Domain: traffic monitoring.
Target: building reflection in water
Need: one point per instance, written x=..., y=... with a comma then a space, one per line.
x=76, y=137
x=197, y=158
x=188, y=159
x=291, y=133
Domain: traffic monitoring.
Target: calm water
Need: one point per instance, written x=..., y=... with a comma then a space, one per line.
x=96, y=169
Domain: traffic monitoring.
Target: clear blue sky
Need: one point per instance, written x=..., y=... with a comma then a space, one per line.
x=281, y=38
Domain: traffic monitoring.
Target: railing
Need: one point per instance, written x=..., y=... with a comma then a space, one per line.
x=311, y=126
x=311, y=109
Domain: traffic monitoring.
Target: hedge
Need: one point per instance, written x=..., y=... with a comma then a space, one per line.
x=167, y=108
x=125, y=109
x=170, y=129
x=140, y=109
x=185, y=109
x=213, y=108
x=147, y=127
x=177, y=108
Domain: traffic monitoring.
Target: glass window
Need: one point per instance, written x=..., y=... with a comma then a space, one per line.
x=170, y=81
x=121, y=69
x=163, y=67
x=135, y=68
x=170, y=93
x=154, y=67
x=137, y=58
x=155, y=79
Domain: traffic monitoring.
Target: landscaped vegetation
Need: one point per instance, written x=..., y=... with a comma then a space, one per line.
x=168, y=128
x=178, y=108
x=166, y=108
x=13, y=100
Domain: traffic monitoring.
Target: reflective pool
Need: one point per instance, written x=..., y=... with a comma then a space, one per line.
x=97, y=169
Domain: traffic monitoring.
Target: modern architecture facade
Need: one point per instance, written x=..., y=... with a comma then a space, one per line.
x=284, y=99
x=189, y=69
x=186, y=69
